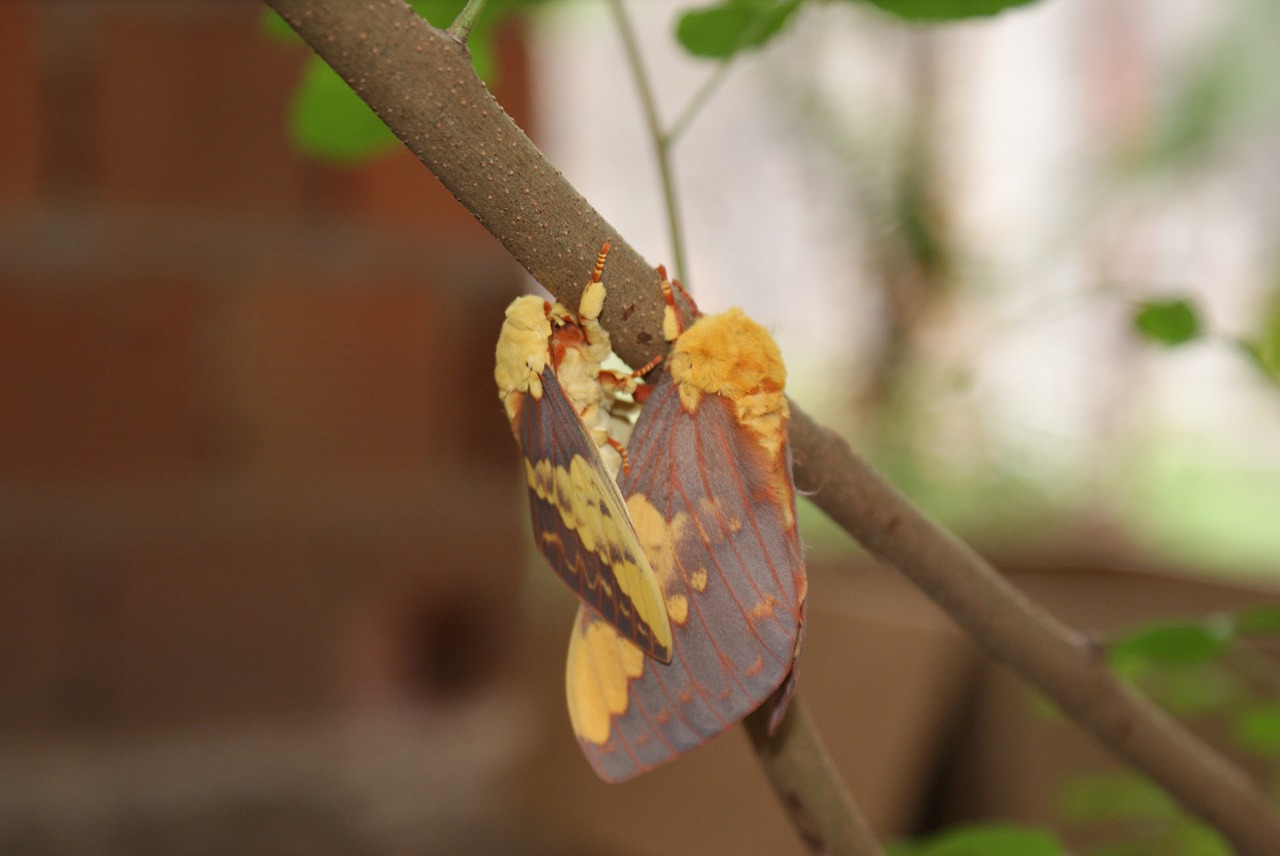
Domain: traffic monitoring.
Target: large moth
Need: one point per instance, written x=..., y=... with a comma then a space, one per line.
x=710, y=492
x=710, y=503
x=549, y=379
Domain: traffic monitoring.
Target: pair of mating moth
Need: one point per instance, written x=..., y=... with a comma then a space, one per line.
x=680, y=542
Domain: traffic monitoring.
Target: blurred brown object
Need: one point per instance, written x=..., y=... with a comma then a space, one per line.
x=260, y=537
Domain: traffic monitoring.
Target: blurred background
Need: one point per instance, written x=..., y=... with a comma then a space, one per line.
x=266, y=583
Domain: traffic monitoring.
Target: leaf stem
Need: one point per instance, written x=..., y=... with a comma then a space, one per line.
x=661, y=142
x=704, y=93
x=462, y=25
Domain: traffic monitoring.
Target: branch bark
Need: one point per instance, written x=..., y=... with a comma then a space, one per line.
x=419, y=80
x=808, y=784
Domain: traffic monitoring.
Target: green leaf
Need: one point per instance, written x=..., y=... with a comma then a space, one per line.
x=1222, y=95
x=277, y=28
x=985, y=839
x=1264, y=358
x=720, y=31
x=1263, y=350
x=330, y=122
x=945, y=10
x=1193, y=691
x=1263, y=620
x=1167, y=322
x=1172, y=644
x=1257, y=728
x=1192, y=838
x=1106, y=797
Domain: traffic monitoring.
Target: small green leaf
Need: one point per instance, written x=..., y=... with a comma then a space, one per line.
x=720, y=31
x=277, y=28
x=440, y=13
x=1172, y=644
x=985, y=839
x=1192, y=691
x=1263, y=349
x=1263, y=357
x=1106, y=797
x=1167, y=322
x=1192, y=838
x=330, y=122
x=1263, y=620
x=944, y=10
x=1257, y=728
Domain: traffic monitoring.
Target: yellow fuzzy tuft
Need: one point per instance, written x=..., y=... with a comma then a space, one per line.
x=734, y=357
x=728, y=355
x=522, y=350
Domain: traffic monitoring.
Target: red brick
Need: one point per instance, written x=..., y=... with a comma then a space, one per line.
x=194, y=100
x=30, y=626
x=98, y=383
x=20, y=125
x=346, y=379
x=216, y=626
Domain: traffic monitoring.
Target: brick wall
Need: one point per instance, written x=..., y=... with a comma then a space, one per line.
x=251, y=460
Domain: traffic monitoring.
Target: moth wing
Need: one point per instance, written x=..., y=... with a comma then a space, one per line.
x=720, y=533
x=581, y=525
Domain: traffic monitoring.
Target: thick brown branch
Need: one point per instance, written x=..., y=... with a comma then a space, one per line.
x=419, y=80
x=1060, y=662
x=808, y=784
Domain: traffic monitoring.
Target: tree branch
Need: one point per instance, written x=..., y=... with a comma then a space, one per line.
x=420, y=81
x=808, y=784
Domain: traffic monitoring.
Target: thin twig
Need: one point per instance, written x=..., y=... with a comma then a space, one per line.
x=704, y=93
x=420, y=81
x=462, y=25
x=717, y=77
x=661, y=142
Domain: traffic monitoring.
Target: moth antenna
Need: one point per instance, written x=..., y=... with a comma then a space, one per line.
x=672, y=319
x=684, y=292
x=604, y=251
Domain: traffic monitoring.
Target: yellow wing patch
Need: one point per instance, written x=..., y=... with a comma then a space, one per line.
x=597, y=681
x=658, y=536
x=591, y=507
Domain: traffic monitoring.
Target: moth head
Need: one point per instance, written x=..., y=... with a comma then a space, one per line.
x=728, y=355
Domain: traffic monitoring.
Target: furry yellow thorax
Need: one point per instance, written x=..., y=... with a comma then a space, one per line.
x=734, y=357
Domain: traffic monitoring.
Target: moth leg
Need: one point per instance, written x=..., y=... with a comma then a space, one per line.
x=639, y=373
x=672, y=319
x=622, y=453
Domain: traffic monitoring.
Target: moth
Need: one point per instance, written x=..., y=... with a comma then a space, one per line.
x=549, y=376
x=708, y=509
x=710, y=492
